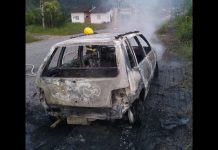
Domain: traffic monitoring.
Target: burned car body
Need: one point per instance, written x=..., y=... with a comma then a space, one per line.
x=84, y=86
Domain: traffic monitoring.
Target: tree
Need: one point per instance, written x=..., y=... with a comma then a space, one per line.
x=33, y=17
x=42, y=12
x=51, y=10
x=30, y=17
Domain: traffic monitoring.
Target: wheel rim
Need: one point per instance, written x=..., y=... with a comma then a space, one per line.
x=131, y=117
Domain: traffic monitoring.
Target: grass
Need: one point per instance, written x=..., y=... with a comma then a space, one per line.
x=30, y=38
x=183, y=25
x=184, y=50
x=180, y=32
x=66, y=29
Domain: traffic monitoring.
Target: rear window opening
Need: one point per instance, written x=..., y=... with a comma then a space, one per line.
x=82, y=61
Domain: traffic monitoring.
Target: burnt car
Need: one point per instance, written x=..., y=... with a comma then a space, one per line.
x=107, y=83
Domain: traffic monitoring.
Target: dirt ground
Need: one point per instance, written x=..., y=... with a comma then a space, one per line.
x=169, y=98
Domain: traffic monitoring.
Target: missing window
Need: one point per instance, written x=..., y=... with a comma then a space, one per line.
x=146, y=46
x=130, y=57
x=137, y=48
x=83, y=61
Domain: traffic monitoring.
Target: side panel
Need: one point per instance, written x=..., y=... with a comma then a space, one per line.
x=152, y=58
x=145, y=70
x=144, y=66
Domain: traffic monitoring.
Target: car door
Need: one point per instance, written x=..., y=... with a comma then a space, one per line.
x=143, y=63
x=150, y=54
x=134, y=76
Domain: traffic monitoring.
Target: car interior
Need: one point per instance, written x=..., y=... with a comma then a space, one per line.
x=81, y=63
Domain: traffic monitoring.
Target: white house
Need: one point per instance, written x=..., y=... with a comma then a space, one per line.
x=101, y=16
x=93, y=15
x=78, y=17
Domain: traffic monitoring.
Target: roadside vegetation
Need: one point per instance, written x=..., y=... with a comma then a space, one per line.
x=180, y=31
x=65, y=29
x=176, y=34
x=51, y=19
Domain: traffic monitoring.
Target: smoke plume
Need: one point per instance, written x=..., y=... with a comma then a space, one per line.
x=143, y=15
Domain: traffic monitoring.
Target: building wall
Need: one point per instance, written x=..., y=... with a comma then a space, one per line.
x=99, y=18
x=78, y=17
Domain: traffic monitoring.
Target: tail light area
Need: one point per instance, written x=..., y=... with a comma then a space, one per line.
x=119, y=97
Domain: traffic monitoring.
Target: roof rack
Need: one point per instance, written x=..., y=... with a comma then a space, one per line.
x=76, y=36
x=121, y=35
x=79, y=35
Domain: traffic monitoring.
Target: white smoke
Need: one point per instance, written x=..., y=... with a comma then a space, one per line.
x=145, y=16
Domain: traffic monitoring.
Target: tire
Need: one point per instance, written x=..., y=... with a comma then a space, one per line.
x=135, y=112
x=131, y=116
x=156, y=71
x=52, y=118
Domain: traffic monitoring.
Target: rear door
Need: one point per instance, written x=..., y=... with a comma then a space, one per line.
x=134, y=76
x=150, y=54
x=143, y=63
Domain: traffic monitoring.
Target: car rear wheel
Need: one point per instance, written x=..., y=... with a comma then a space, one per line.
x=135, y=112
x=52, y=118
x=156, y=71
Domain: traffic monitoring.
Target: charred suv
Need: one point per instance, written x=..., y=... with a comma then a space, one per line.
x=108, y=81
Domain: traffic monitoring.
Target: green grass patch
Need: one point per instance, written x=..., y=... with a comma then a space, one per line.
x=30, y=38
x=184, y=50
x=179, y=31
x=67, y=29
x=183, y=26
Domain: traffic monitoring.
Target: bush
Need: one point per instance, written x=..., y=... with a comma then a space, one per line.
x=61, y=19
x=33, y=17
x=183, y=25
x=182, y=37
x=54, y=17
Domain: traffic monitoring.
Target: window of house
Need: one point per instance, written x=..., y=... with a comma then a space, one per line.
x=76, y=17
x=98, y=17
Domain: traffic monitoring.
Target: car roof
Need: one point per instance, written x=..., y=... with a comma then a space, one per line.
x=94, y=38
